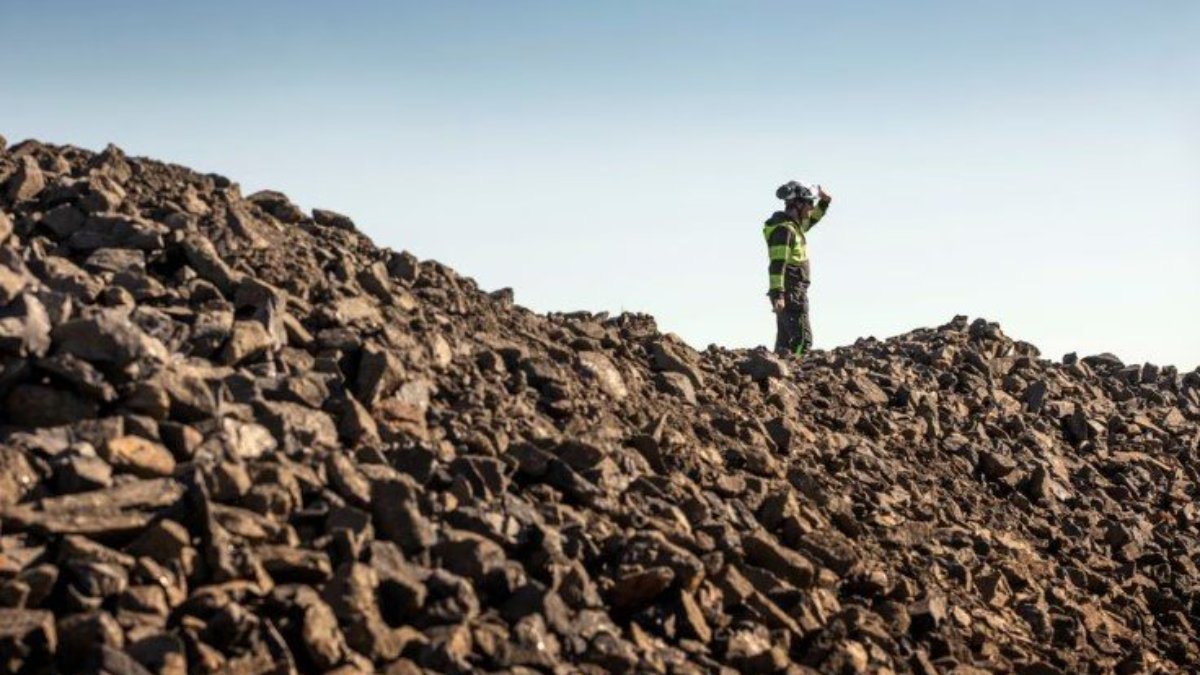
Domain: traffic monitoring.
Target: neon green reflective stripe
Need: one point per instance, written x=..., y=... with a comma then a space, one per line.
x=779, y=252
x=776, y=282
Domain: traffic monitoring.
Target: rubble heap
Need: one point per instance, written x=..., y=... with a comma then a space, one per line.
x=240, y=438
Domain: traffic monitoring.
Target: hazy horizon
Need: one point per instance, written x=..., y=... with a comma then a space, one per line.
x=1031, y=165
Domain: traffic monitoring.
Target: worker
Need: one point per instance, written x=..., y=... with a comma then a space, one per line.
x=790, y=274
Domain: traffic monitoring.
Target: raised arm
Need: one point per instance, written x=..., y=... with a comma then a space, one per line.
x=818, y=212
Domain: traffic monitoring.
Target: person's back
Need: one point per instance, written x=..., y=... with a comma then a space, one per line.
x=789, y=271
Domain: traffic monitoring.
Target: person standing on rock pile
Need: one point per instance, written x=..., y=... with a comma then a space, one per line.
x=785, y=231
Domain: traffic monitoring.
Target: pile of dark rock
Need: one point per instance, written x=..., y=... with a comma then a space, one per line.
x=239, y=438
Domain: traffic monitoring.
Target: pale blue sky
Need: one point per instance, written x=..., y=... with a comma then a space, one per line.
x=1035, y=163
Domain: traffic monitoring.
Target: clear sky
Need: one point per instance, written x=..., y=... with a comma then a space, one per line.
x=1035, y=163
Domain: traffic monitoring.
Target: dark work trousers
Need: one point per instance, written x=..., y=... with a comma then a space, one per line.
x=793, y=333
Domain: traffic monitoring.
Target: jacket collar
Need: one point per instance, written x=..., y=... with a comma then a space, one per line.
x=779, y=217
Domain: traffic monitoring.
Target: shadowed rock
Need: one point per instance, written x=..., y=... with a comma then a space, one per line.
x=238, y=438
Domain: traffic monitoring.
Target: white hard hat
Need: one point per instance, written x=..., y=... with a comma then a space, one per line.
x=797, y=190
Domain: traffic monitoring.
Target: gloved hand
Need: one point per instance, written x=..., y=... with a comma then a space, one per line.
x=777, y=305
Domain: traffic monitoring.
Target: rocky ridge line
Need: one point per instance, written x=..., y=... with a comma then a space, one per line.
x=240, y=438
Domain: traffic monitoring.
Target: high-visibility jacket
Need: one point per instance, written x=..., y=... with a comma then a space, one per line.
x=786, y=244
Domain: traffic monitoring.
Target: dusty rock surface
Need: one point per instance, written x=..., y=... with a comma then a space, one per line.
x=239, y=438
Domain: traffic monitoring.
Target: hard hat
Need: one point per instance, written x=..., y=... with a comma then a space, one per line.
x=796, y=190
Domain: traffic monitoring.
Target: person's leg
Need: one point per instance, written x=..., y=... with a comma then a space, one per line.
x=804, y=327
x=796, y=311
x=783, y=332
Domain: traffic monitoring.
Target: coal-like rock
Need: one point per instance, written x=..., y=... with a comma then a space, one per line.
x=237, y=438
